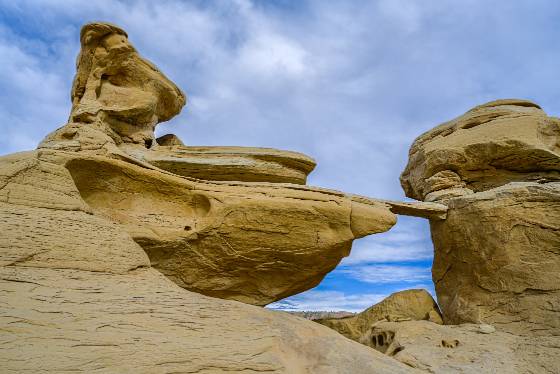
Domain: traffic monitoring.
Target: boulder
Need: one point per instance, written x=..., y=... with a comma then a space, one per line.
x=403, y=305
x=489, y=146
x=497, y=256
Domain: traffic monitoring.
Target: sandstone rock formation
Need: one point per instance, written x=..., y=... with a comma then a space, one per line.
x=118, y=91
x=229, y=163
x=497, y=253
x=79, y=295
x=250, y=242
x=103, y=222
x=489, y=146
x=497, y=258
x=468, y=348
x=400, y=306
x=112, y=242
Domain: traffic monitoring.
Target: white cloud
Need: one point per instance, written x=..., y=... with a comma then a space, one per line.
x=408, y=241
x=274, y=55
x=384, y=253
x=381, y=274
x=327, y=301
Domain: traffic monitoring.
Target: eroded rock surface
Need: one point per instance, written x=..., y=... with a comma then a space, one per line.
x=78, y=294
x=497, y=258
x=251, y=242
x=247, y=164
x=489, y=146
x=467, y=348
x=403, y=305
x=117, y=90
x=497, y=253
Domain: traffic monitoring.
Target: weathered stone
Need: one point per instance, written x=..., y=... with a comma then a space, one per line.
x=247, y=164
x=118, y=91
x=443, y=349
x=418, y=209
x=497, y=258
x=489, y=146
x=403, y=305
x=169, y=140
x=79, y=295
x=248, y=242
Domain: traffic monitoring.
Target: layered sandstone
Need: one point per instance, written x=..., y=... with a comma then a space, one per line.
x=103, y=245
x=247, y=164
x=251, y=242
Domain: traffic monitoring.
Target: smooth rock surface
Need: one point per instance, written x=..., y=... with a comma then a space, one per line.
x=489, y=146
x=497, y=258
x=403, y=305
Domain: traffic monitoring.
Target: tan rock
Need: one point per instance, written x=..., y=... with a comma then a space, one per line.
x=78, y=294
x=169, y=140
x=248, y=242
x=489, y=146
x=403, y=305
x=251, y=242
x=497, y=258
x=118, y=91
x=247, y=164
x=443, y=349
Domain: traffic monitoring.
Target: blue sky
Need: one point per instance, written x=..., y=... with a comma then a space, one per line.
x=351, y=83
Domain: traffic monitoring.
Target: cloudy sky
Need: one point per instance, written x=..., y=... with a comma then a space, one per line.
x=351, y=83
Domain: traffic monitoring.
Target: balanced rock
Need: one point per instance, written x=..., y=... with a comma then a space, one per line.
x=489, y=146
x=403, y=305
x=497, y=253
x=118, y=98
x=251, y=242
